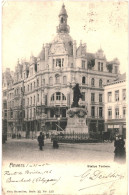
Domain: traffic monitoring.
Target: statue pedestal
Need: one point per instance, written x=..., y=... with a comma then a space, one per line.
x=76, y=122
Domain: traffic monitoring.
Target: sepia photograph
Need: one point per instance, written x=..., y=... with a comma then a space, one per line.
x=64, y=97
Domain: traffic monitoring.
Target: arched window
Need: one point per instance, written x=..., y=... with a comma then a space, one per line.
x=58, y=96
x=64, y=80
x=100, y=83
x=83, y=80
x=92, y=82
x=57, y=79
x=50, y=80
x=62, y=20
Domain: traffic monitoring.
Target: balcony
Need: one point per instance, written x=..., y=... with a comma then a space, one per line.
x=58, y=103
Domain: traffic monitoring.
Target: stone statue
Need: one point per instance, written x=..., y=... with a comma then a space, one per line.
x=76, y=95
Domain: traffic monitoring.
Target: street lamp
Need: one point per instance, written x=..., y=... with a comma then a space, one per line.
x=58, y=119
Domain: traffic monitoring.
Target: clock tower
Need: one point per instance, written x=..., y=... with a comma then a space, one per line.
x=63, y=27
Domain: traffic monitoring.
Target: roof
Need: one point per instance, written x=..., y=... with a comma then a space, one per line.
x=63, y=11
x=119, y=79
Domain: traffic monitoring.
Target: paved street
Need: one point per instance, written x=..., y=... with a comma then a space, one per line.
x=27, y=150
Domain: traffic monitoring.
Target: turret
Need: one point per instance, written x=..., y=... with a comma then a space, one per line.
x=63, y=27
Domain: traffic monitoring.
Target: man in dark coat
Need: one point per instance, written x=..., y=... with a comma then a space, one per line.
x=41, y=141
x=120, y=154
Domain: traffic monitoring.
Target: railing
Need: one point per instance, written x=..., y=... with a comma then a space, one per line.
x=77, y=138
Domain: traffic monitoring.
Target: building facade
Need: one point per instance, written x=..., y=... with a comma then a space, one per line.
x=7, y=82
x=43, y=87
x=115, y=106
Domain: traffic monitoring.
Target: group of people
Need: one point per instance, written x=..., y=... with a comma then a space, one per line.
x=119, y=144
x=41, y=142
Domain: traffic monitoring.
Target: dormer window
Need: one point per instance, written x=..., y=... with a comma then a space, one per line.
x=100, y=66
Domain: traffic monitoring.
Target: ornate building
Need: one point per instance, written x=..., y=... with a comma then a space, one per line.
x=42, y=87
x=7, y=81
x=115, y=106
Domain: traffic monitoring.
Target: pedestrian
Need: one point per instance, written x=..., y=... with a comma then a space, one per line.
x=55, y=144
x=120, y=155
x=41, y=141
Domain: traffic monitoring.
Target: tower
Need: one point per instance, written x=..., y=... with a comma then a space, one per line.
x=63, y=27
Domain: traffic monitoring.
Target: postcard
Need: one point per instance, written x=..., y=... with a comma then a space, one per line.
x=64, y=97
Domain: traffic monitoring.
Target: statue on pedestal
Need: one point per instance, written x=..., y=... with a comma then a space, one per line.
x=76, y=96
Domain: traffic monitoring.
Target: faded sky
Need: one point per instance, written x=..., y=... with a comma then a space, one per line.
x=27, y=25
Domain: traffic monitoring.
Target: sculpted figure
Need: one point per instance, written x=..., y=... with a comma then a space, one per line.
x=76, y=95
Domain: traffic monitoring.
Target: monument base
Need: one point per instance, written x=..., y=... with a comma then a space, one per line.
x=76, y=122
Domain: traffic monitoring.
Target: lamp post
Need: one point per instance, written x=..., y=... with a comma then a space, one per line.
x=58, y=122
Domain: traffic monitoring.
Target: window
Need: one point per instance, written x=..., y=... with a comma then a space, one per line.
x=64, y=80
x=58, y=96
x=34, y=112
x=92, y=82
x=5, y=105
x=5, y=113
x=93, y=111
x=109, y=113
x=53, y=62
x=116, y=69
x=117, y=95
x=57, y=79
x=30, y=113
x=83, y=80
x=83, y=96
x=31, y=100
x=43, y=81
x=124, y=112
x=5, y=94
x=58, y=62
x=50, y=80
x=83, y=64
x=100, y=66
x=11, y=114
x=124, y=94
x=51, y=113
x=34, y=99
x=63, y=112
x=37, y=97
x=107, y=81
x=34, y=85
x=109, y=96
x=92, y=97
x=37, y=82
x=28, y=87
x=100, y=83
x=62, y=62
x=52, y=98
x=28, y=101
x=117, y=113
x=31, y=86
x=100, y=112
x=62, y=19
x=100, y=98
x=63, y=97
